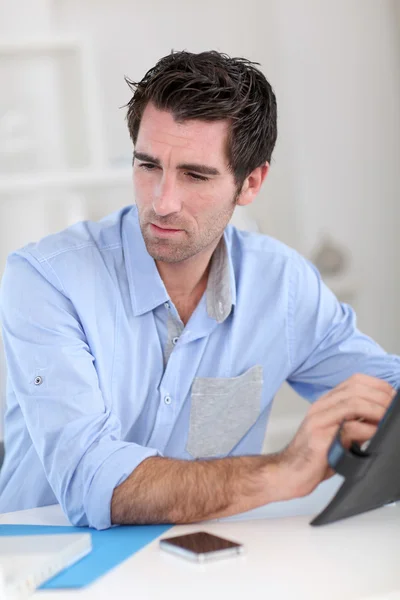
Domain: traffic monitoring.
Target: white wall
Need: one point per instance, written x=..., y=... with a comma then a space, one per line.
x=335, y=69
x=342, y=65
x=340, y=102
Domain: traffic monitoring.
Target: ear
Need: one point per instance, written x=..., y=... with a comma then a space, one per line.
x=252, y=184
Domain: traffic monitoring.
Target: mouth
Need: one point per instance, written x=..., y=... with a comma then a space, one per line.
x=164, y=231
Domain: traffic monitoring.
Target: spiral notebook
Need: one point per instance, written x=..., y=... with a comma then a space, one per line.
x=28, y=561
x=110, y=547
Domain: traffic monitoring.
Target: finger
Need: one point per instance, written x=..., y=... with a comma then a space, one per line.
x=353, y=431
x=347, y=393
x=368, y=380
x=349, y=410
x=370, y=393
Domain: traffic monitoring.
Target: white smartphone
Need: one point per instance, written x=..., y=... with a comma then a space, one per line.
x=201, y=546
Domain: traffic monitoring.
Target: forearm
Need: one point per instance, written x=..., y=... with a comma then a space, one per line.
x=162, y=490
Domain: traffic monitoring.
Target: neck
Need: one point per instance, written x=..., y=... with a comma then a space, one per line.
x=186, y=281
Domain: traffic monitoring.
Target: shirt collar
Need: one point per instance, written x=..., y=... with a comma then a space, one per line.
x=146, y=287
x=221, y=291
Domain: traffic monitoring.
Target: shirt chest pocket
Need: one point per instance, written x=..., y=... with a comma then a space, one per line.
x=222, y=411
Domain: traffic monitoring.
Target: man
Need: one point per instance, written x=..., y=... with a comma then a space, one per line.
x=144, y=351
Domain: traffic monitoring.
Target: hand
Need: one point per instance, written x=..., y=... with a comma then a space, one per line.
x=360, y=403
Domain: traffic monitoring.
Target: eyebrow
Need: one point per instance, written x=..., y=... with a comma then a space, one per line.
x=197, y=168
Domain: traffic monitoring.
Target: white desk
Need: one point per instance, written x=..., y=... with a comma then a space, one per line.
x=285, y=558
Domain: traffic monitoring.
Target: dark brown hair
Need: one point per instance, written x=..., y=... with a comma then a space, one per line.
x=212, y=86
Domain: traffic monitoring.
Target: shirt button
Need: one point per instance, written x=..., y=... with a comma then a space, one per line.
x=167, y=399
x=175, y=340
x=38, y=380
x=166, y=304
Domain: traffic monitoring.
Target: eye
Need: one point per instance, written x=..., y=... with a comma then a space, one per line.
x=148, y=166
x=197, y=177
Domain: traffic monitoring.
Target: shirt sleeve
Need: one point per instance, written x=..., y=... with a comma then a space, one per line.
x=53, y=374
x=325, y=346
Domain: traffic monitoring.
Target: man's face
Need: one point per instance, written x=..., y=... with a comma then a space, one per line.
x=184, y=191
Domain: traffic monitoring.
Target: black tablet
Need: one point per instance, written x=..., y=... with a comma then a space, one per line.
x=372, y=475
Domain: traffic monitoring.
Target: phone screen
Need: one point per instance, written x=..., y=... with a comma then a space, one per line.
x=200, y=543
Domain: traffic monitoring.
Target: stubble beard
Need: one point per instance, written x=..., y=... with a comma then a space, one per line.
x=175, y=251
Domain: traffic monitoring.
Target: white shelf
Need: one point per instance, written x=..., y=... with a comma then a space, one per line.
x=68, y=179
x=63, y=63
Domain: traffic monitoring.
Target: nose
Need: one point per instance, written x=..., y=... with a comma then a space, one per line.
x=167, y=198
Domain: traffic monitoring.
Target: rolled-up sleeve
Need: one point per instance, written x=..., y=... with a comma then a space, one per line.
x=53, y=374
x=325, y=345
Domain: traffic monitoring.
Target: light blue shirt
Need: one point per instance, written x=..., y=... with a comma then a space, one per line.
x=102, y=373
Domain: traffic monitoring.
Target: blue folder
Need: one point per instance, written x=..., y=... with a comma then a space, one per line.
x=110, y=548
